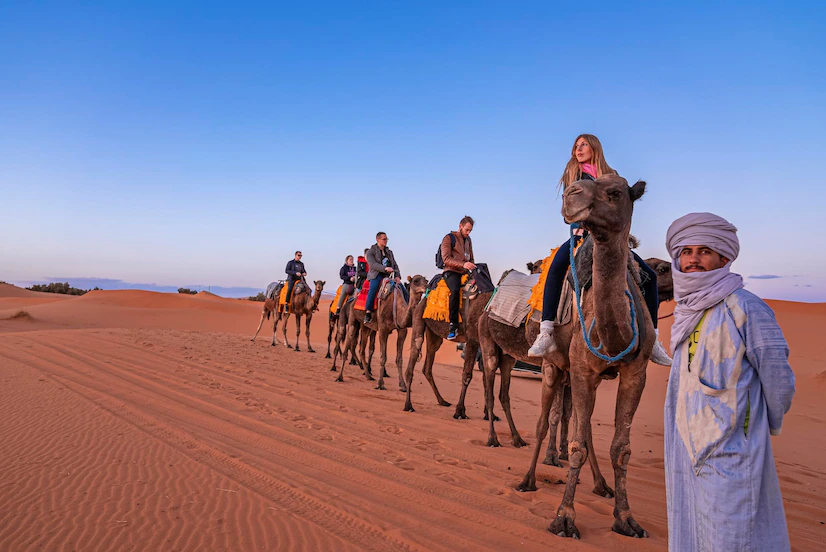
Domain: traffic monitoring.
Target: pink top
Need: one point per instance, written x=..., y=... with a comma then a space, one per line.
x=588, y=168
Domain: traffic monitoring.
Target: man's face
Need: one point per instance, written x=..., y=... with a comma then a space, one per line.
x=382, y=240
x=700, y=258
x=298, y=256
x=465, y=229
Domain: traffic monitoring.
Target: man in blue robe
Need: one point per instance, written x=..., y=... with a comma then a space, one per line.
x=730, y=386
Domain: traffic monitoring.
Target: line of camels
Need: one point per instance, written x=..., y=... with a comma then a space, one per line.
x=570, y=373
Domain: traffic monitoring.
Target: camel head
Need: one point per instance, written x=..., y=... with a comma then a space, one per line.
x=604, y=206
x=535, y=268
x=319, y=286
x=665, y=282
x=418, y=284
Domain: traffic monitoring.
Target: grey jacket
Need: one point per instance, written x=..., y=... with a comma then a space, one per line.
x=374, y=262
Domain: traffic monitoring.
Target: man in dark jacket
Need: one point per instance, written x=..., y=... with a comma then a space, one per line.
x=381, y=262
x=457, y=254
x=295, y=271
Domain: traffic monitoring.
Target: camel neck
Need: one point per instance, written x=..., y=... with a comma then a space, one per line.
x=613, y=318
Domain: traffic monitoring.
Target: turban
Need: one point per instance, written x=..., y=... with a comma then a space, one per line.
x=697, y=291
x=702, y=229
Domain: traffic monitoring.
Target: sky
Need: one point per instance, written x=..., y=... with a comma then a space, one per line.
x=203, y=143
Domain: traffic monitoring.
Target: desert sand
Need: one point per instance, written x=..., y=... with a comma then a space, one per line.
x=134, y=420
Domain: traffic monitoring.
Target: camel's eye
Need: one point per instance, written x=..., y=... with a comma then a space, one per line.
x=613, y=195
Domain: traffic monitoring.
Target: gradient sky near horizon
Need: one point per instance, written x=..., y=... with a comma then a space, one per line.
x=186, y=143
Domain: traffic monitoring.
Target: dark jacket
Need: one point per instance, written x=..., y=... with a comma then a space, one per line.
x=295, y=266
x=374, y=261
x=456, y=252
x=346, y=273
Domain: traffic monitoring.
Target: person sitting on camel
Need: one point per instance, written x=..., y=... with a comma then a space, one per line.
x=587, y=163
x=457, y=258
x=382, y=263
x=295, y=271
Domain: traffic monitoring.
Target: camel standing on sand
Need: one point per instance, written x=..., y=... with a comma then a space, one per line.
x=605, y=208
x=342, y=323
x=392, y=313
x=434, y=332
x=301, y=303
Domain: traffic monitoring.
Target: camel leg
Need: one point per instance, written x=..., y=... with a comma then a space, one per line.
x=491, y=363
x=567, y=409
x=307, y=332
x=471, y=348
x=383, y=336
x=368, y=372
x=505, y=368
x=372, y=340
x=348, y=346
x=297, y=330
x=584, y=392
x=276, y=320
x=554, y=418
x=551, y=376
x=413, y=357
x=287, y=319
x=433, y=344
x=260, y=324
x=401, y=337
x=337, y=349
x=628, y=399
x=333, y=324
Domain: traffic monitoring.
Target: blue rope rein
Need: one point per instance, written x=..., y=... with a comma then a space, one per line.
x=586, y=336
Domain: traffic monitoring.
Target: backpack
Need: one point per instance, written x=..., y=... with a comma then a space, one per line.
x=440, y=262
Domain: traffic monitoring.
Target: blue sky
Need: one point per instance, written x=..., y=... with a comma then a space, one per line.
x=203, y=143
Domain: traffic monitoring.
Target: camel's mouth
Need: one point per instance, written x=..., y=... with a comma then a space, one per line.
x=575, y=215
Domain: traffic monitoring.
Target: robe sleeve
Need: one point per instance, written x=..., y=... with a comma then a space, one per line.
x=768, y=352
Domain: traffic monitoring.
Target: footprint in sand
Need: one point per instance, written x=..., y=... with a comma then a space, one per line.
x=442, y=459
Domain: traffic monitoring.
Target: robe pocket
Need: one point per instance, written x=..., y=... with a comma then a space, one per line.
x=711, y=418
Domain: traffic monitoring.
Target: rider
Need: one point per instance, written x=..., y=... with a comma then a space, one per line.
x=295, y=271
x=587, y=163
x=457, y=256
x=348, y=281
x=381, y=262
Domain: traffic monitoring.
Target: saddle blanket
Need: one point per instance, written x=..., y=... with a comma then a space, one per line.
x=334, y=304
x=272, y=289
x=510, y=304
x=438, y=302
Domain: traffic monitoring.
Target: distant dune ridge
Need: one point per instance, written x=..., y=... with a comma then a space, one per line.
x=142, y=420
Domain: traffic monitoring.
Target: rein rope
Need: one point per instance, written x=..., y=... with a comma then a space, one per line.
x=586, y=336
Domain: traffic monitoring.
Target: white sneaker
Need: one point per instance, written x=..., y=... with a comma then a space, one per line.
x=659, y=355
x=544, y=343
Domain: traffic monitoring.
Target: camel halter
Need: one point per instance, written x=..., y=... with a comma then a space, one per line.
x=587, y=336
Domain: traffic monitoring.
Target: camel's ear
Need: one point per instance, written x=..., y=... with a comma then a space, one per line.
x=530, y=267
x=637, y=190
x=409, y=279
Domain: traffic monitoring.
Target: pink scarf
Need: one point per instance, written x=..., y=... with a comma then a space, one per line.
x=588, y=168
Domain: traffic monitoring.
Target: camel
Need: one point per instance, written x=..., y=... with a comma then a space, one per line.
x=605, y=208
x=392, y=313
x=301, y=303
x=333, y=327
x=342, y=323
x=434, y=333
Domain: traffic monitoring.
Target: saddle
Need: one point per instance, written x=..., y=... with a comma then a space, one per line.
x=438, y=295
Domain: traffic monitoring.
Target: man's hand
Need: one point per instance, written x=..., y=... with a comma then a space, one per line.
x=388, y=269
x=398, y=280
x=469, y=265
x=303, y=273
x=352, y=278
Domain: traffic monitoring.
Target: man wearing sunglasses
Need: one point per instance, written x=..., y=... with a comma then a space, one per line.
x=295, y=271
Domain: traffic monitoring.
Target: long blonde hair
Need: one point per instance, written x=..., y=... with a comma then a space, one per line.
x=573, y=171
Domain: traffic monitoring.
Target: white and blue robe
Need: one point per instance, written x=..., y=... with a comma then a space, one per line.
x=721, y=482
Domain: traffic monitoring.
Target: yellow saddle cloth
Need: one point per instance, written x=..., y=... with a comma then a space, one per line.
x=335, y=300
x=438, y=302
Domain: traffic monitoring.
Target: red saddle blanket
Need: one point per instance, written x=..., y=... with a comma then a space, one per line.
x=361, y=300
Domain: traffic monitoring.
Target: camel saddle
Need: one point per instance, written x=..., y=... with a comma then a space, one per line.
x=274, y=289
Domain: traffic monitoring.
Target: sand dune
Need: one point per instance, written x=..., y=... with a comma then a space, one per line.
x=140, y=420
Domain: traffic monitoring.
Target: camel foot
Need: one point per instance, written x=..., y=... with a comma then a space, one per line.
x=408, y=407
x=552, y=460
x=253, y=340
x=297, y=350
x=328, y=356
x=603, y=490
x=353, y=362
x=528, y=484
x=495, y=417
x=493, y=441
x=369, y=377
x=289, y=346
x=402, y=388
x=629, y=528
x=384, y=373
x=381, y=386
x=460, y=413
x=563, y=526
x=340, y=377
x=518, y=442
x=333, y=369
x=273, y=344
x=563, y=453
x=310, y=350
